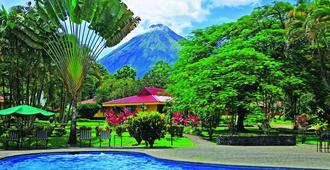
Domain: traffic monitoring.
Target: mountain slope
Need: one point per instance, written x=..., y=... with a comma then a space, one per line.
x=143, y=51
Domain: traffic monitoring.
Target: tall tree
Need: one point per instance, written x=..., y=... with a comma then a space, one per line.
x=127, y=72
x=158, y=75
x=85, y=28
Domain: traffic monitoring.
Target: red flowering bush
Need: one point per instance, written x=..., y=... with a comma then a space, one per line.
x=177, y=118
x=191, y=120
x=115, y=120
x=179, y=121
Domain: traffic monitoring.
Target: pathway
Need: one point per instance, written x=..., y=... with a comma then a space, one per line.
x=301, y=156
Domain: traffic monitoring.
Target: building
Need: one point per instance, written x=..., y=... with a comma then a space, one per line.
x=149, y=99
x=2, y=101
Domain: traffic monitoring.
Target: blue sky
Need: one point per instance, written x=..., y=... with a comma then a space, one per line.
x=182, y=16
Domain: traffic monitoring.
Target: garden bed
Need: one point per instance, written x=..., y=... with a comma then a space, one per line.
x=257, y=140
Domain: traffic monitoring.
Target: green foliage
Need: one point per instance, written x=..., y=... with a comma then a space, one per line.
x=88, y=110
x=127, y=72
x=150, y=126
x=157, y=76
x=72, y=52
x=59, y=131
x=254, y=65
x=119, y=20
x=85, y=128
x=175, y=130
x=113, y=88
x=134, y=129
x=93, y=81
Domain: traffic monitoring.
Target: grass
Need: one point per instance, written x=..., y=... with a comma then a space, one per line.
x=61, y=142
x=130, y=141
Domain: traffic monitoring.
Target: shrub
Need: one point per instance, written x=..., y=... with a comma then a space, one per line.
x=88, y=110
x=134, y=130
x=179, y=121
x=175, y=130
x=115, y=120
x=59, y=131
x=192, y=120
x=85, y=128
x=150, y=126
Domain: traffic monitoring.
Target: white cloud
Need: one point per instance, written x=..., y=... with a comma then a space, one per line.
x=173, y=13
x=176, y=14
x=232, y=3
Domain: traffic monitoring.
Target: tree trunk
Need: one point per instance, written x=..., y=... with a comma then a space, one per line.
x=62, y=106
x=73, y=129
x=241, y=112
x=323, y=68
x=3, y=90
x=210, y=133
x=10, y=92
x=18, y=92
x=151, y=143
x=39, y=93
x=28, y=90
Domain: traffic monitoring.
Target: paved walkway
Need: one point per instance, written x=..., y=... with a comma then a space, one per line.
x=301, y=156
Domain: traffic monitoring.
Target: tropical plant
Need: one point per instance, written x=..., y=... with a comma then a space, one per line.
x=149, y=125
x=134, y=130
x=84, y=29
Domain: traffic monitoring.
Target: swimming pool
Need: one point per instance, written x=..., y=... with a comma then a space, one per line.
x=105, y=161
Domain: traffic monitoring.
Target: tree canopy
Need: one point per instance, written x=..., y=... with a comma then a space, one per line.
x=274, y=60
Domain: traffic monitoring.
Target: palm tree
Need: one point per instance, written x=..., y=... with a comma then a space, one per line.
x=84, y=29
x=317, y=27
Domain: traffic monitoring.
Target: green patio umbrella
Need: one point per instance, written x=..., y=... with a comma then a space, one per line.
x=25, y=110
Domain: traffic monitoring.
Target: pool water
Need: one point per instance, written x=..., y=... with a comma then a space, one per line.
x=106, y=161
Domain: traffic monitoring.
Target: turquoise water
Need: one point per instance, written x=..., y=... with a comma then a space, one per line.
x=104, y=161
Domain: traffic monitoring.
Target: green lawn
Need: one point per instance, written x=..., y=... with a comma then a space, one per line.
x=61, y=142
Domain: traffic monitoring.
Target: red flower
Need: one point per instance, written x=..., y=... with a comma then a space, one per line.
x=192, y=120
x=177, y=118
x=115, y=120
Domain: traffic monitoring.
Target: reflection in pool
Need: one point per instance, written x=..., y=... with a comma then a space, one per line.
x=104, y=160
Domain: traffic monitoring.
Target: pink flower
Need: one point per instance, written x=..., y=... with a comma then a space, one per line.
x=192, y=120
x=177, y=118
x=115, y=120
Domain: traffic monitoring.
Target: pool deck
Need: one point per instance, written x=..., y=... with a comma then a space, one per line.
x=301, y=156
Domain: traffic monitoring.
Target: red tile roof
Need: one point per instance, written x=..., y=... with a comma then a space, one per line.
x=133, y=99
x=151, y=91
x=89, y=101
x=140, y=99
x=146, y=95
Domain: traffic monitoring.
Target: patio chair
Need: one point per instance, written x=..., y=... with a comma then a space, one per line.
x=105, y=135
x=86, y=134
x=14, y=136
x=323, y=141
x=41, y=135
